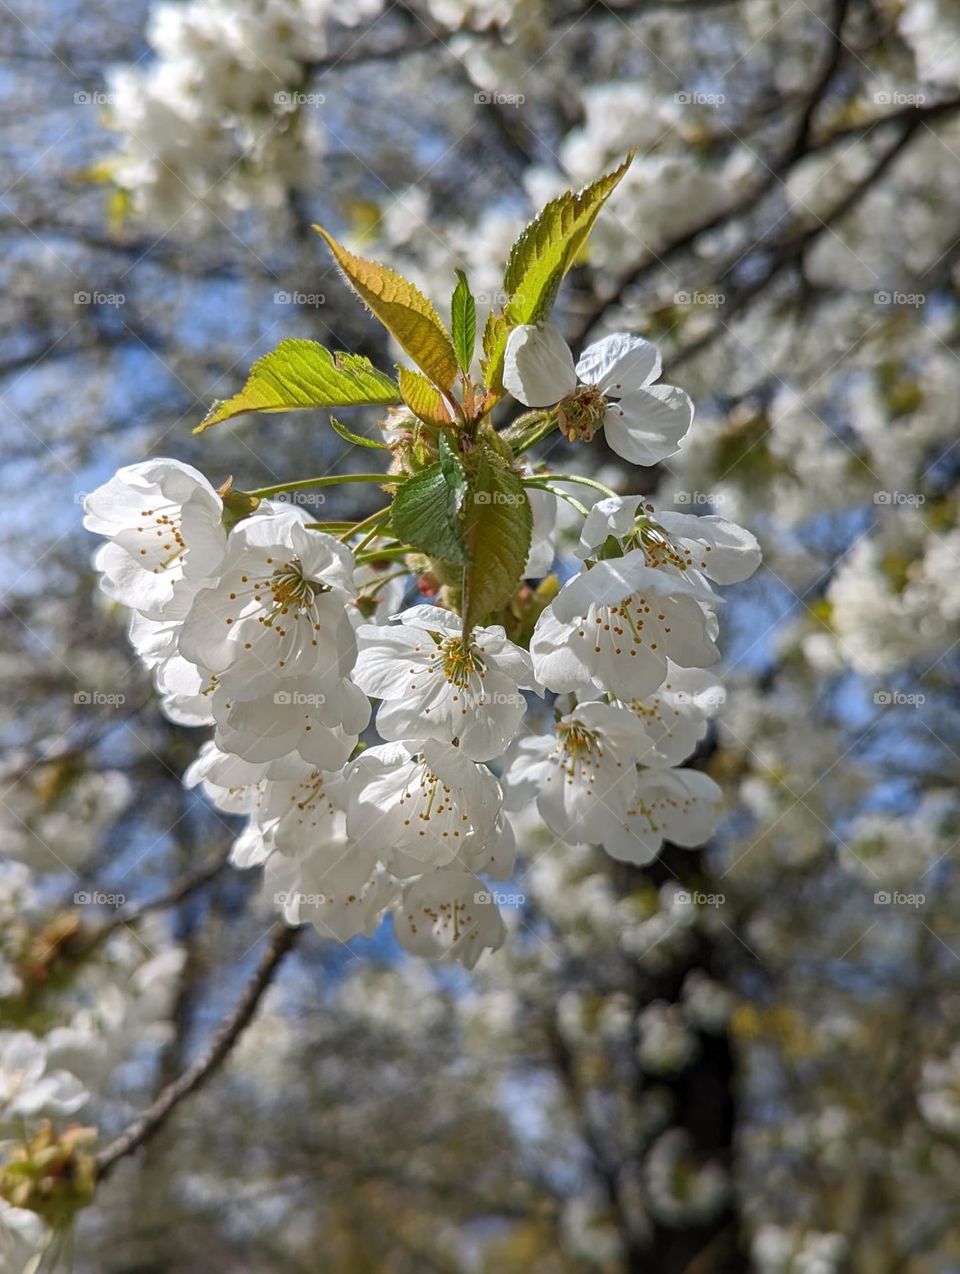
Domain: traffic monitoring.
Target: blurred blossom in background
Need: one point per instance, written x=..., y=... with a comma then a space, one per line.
x=740, y=1058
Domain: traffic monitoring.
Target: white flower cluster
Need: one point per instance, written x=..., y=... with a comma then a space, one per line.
x=220, y=117
x=255, y=630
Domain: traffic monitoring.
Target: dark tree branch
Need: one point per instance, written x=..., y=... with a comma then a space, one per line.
x=792, y=249
x=147, y=1125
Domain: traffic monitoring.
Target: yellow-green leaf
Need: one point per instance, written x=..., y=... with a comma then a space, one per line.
x=495, y=335
x=300, y=374
x=498, y=525
x=357, y=440
x=402, y=309
x=540, y=259
x=423, y=398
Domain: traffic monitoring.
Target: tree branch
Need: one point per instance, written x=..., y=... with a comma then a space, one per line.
x=792, y=249
x=147, y=1125
x=798, y=148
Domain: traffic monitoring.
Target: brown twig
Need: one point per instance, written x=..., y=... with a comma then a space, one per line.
x=147, y=1125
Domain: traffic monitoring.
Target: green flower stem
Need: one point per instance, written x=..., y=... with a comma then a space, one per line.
x=373, y=532
x=563, y=495
x=539, y=430
x=575, y=477
x=517, y=428
x=331, y=480
x=357, y=528
x=378, y=584
x=385, y=554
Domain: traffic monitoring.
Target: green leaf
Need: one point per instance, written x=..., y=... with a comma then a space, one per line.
x=452, y=470
x=463, y=321
x=538, y=262
x=495, y=334
x=498, y=525
x=358, y=439
x=426, y=509
x=402, y=309
x=423, y=398
x=300, y=374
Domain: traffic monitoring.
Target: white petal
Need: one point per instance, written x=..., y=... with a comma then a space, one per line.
x=733, y=553
x=386, y=656
x=613, y=515
x=543, y=506
x=449, y=915
x=538, y=366
x=619, y=363
x=432, y=619
x=559, y=665
x=525, y=769
x=648, y=425
x=611, y=581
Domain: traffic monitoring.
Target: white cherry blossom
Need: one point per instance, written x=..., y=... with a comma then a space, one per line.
x=300, y=812
x=293, y=715
x=680, y=806
x=27, y=1087
x=433, y=686
x=583, y=776
x=710, y=546
x=339, y=889
x=675, y=716
x=423, y=806
x=279, y=607
x=449, y=915
x=292, y=805
x=643, y=422
x=229, y=782
x=543, y=506
x=617, y=623
x=713, y=546
x=163, y=522
x=495, y=856
x=22, y=1239
x=184, y=691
